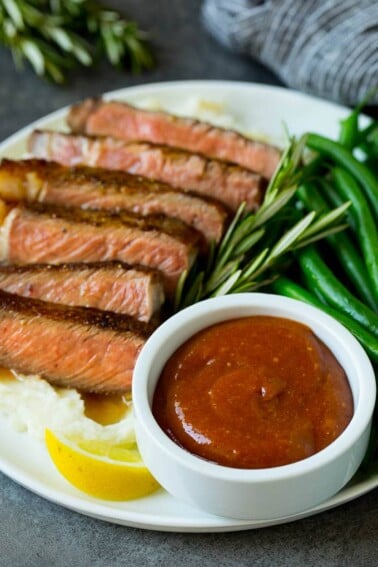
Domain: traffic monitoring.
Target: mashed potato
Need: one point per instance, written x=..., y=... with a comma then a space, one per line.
x=33, y=405
x=209, y=111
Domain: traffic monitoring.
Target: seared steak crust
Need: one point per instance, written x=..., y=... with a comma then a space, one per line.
x=124, y=121
x=98, y=188
x=90, y=317
x=110, y=286
x=229, y=184
x=151, y=223
x=82, y=348
x=40, y=233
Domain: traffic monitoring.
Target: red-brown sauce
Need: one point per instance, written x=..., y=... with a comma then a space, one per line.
x=255, y=392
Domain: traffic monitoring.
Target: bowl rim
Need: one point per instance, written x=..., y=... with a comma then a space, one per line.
x=203, y=312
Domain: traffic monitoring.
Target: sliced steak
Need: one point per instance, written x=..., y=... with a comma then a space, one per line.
x=76, y=347
x=110, y=286
x=96, y=188
x=124, y=121
x=230, y=184
x=40, y=233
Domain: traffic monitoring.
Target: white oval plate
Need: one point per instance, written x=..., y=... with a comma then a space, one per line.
x=257, y=109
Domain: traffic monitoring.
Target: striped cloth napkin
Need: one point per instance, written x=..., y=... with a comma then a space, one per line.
x=325, y=47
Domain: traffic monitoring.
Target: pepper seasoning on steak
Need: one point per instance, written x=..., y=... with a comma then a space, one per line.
x=190, y=172
x=75, y=347
x=40, y=233
x=121, y=120
x=110, y=286
x=98, y=188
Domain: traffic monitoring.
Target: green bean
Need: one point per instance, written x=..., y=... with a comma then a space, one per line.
x=286, y=287
x=312, y=200
x=348, y=256
x=325, y=285
x=343, y=157
x=366, y=228
x=349, y=132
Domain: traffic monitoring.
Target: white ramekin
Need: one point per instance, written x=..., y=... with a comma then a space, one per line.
x=258, y=494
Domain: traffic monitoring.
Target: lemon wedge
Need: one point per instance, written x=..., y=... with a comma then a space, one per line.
x=103, y=471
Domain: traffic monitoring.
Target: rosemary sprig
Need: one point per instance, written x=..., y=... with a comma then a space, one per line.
x=56, y=35
x=255, y=244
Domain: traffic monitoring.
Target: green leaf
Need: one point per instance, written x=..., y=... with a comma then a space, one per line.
x=9, y=29
x=112, y=46
x=227, y=285
x=288, y=239
x=326, y=220
x=285, y=174
x=240, y=231
x=276, y=231
x=61, y=37
x=301, y=243
x=254, y=264
x=211, y=256
x=266, y=212
x=179, y=289
x=65, y=33
x=220, y=275
x=34, y=54
x=249, y=241
x=54, y=72
x=14, y=13
x=231, y=228
x=194, y=293
x=243, y=287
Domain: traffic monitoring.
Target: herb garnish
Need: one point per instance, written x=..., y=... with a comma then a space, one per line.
x=255, y=244
x=56, y=35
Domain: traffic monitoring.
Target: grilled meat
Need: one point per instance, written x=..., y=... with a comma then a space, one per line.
x=40, y=233
x=88, y=349
x=121, y=120
x=110, y=286
x=230, y=184
x=96, y=188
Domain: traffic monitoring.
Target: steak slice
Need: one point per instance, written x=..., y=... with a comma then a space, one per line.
x=110, y=286
x=96, y=188
x=40, y=233
x=230, y=184
x=124, y=121
x=75, y=347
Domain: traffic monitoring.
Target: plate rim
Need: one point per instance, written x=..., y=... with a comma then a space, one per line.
x=166, y=85
x=206, y=524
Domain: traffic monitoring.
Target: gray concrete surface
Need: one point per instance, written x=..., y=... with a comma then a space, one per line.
x=34, y=532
